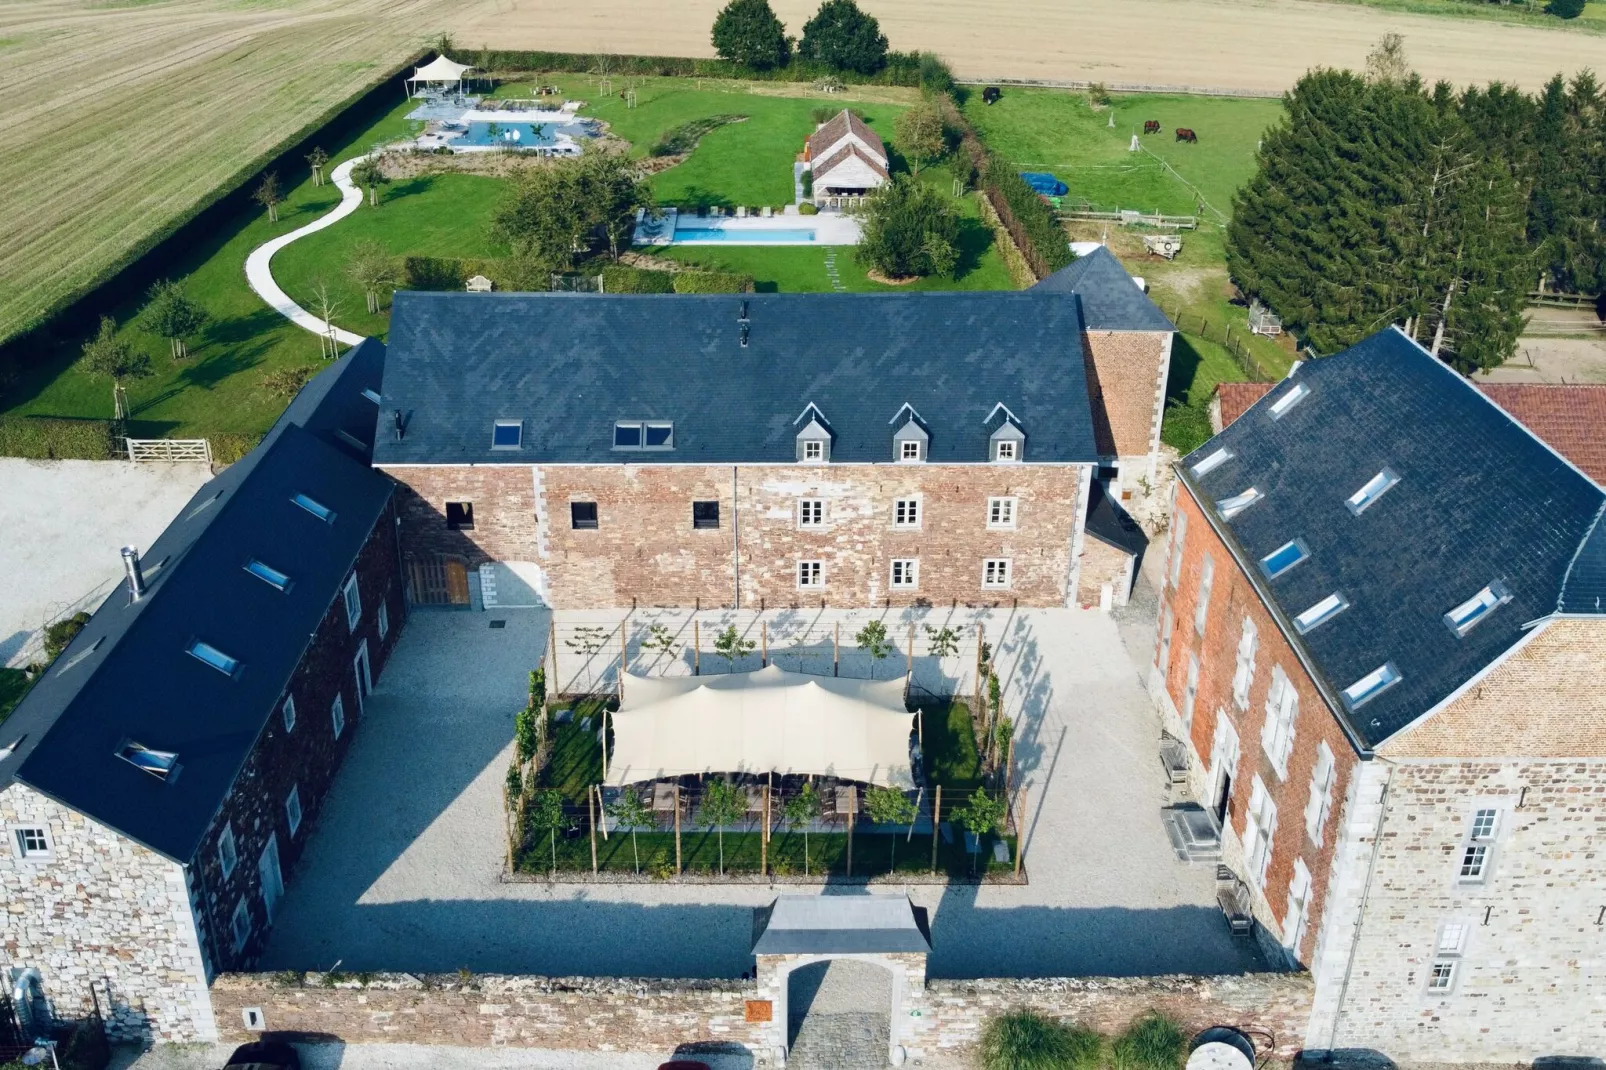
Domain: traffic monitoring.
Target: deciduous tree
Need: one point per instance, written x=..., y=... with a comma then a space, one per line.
x=921, y=135
x=844, y=37
x=908, y=228
x=723, y=804
x=747, y=32
x=889, y=806
x=111, y=356
x=802, y=810
x=170, y=313
x=373, y=270
x=629, y=812
x=269, y=195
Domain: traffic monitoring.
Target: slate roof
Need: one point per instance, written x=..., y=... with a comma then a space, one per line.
x=1111, y=301
x=838, y=127
x=1479, y=499
x=840, y=925
x=137, y=681
x=570, y=365
x=1109, y=523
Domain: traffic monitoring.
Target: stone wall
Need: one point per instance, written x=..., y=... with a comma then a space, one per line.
x=130, y=938
x=646, y=551
x=304, y=758
x=1126, y=378
x=940, y=1021
x=1103, y=565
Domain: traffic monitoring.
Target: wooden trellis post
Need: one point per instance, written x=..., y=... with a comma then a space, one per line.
x=981, y=641
x=836, y=649
x=591, y=805
x=909, y=654
x=1020, y=829
x=696, y=648
x=764, y=643
x=552, y=634
x=1009, y=763
x=677, y=829
x=936, y=822
x=603, y=811
x=605, y=743
x=764, y=838
x=853, y=807
x=622, y=667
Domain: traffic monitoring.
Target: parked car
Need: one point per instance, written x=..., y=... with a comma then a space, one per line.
x=265, y=1055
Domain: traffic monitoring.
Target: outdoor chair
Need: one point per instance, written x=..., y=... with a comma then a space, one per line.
x=1232, y=895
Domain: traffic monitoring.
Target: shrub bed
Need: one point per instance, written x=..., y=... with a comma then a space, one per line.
x=683, y=138
x=49, y=439
x=230, y=446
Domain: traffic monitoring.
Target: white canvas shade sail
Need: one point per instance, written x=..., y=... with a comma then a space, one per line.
x=440, y=69
x=769, y=721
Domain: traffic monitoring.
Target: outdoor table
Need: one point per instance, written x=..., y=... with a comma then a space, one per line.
x=663, y=798
x=847, y=800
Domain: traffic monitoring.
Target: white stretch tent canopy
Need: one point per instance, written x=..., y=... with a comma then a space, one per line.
x=761, y=722
x=440, y=69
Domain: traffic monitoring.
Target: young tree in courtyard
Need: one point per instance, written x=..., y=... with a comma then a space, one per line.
x=747, y=32
x=941, y=642
x=723, y=804
x=889, y=806
x=908, y=228
x=981, y=816
x=112, y=357
x=629, y=812
x=170, y=313
x=373, y=270
x=370, y=176
x=921, y=134
x=315, y=160
x=269, y=195
x=731, y=645
x=546, y=815
x=872, y=639
x=800, y=811
x=841, y=36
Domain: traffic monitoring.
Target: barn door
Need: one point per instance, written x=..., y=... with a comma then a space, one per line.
x=456, y=582
x=438, y=581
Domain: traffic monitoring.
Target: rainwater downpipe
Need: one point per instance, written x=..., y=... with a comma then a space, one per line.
x=736, y=540
x=1360, y=920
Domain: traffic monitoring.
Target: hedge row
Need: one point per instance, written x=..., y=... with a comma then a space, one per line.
x=49, y=439
x=712, y=282
x=1027, y=217
x=902, y=68
x=619, y=279
x=230, y=446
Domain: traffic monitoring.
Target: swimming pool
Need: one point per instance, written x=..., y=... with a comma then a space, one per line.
x=744, y=235
x=520, y=135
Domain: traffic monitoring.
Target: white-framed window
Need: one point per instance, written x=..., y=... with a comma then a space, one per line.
x=1190, y=691
x=1282, y=707
x=1320, y=803
x=910, y=449
x=905, y=573
x=1207, y=580
x=1243, y=676
x=1297, y=916
x=1006, y=449
x=1468, y=614
x=1477, y=848
x=1179, y=535
x=383, y=618
x=292, y=808
x=1001, y=512
x=289, y=713
x=32, y=842
x=353, y=602
x=337, y=715
x=1212, y=461
x=995, y=572
x=1259, y=828
x=811, y=574
x=906, y=513
x=1371, y=685
x=1441, y=975
x=811, y=513
x=1448, y=947
x=813, y=451
x=240, y=925
x=1371, y=491
x=228, y=855
x=1168, y=622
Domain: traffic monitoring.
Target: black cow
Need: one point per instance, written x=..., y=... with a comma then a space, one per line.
x=990, y=94
x=1186, y=134
x=1152, y=126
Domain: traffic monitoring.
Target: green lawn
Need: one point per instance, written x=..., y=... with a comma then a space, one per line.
x=950, y=746
x=576, y=762
x=1055, y=130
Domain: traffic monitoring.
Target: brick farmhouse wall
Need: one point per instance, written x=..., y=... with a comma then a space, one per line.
x=636, y=1014
x=304, y=758
x=1126, y=373
x=1103, y=564
x=1232, y=599
x=646, y=550
x=101, y=913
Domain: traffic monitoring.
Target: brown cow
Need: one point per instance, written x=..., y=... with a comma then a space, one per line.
x=1185, y=133
x=1152, y=126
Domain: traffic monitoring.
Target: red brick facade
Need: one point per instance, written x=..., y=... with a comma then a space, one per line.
x=304, y=758
x=1126, y=374
x=1232, y=599
x=645, y=548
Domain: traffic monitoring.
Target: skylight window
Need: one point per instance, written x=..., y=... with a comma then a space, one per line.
x=161, y=764
x=1212, y=462
x=1321, y=612
x=507, y=435
x=268, y=574
x=1464, y=617
x=1284, y=558
x=1280, y=407
x=1373, y=489
x=648, y=435
x=371, y=394
x=1237, y=503
x=214, y=657
x=315, y=507
x=1371, y=685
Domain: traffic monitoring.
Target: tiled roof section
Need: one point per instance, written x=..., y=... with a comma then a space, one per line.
x=1109, y=523
x=840, y=126
x=136, y=681
x=1478, y=499
x=1237, y=397
x=1111, y=301
x=847, y=152
x=1571, y=418
x=570, y=365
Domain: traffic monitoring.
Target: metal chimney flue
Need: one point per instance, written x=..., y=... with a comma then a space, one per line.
x=136, y=575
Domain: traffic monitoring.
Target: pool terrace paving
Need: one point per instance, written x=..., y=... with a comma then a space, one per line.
x=404, y=871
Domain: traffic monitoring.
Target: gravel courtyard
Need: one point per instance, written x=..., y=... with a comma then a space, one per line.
x=403, y=872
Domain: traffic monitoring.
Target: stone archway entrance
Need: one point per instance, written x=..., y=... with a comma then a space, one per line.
x=839, y=1015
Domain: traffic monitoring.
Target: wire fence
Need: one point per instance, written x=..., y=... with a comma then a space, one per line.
x=1221, y=332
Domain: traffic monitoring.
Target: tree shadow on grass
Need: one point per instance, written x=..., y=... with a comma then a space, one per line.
x=415, y=185
x=234, y=330
x=975, y=238
x=209, y=371
x=694, y=198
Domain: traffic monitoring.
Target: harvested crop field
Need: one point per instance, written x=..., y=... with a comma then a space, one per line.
x=1259, y=45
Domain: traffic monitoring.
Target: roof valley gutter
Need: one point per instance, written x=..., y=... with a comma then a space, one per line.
x=1247, y=566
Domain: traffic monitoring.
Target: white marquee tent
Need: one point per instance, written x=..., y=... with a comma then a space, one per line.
x=439, y=69
x=760, y=722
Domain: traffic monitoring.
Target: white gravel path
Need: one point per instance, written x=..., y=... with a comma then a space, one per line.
x=403, y=869
x=258, y=266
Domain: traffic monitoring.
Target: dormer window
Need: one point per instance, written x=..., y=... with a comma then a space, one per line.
x=1212, y=461
x=507, y=435
x=1005, y=451
x=909, y=443
x=1284, y=558
x=908, y=450
x=1321, y=612
x=1006, y=444
x=1466, y=616
x=814, y=444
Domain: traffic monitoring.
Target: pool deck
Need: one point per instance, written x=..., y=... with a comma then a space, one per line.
x=830, y=228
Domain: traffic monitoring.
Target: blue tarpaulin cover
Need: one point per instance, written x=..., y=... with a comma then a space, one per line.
x=1044, y=183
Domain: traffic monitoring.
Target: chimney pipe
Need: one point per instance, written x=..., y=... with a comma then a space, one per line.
x=136, y=575
x=401, y=425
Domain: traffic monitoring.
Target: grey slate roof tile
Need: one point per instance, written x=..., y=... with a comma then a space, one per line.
x=1479, y=499
x=1110, y=299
